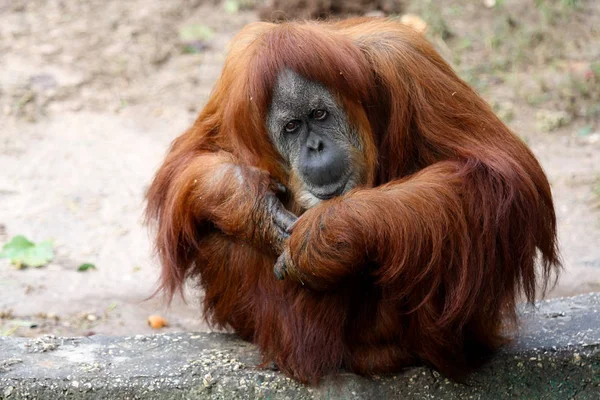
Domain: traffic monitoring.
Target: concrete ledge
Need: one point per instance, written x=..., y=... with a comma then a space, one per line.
x=556, y=356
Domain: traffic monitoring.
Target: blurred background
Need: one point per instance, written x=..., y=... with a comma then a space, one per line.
x=92, y=93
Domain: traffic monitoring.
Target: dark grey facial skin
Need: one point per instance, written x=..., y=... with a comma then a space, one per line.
x=311, y=132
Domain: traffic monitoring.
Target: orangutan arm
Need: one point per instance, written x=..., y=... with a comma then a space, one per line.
x=195, y=192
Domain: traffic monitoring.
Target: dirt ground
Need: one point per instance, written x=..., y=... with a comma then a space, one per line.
x=92, y=93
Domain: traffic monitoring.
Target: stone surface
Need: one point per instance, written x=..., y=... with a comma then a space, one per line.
x=556, y=356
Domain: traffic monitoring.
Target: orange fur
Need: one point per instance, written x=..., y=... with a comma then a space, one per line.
x=423, y=264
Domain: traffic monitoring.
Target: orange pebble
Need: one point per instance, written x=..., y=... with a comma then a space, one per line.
x=157, y=322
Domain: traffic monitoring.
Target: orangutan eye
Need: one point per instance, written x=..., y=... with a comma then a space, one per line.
x=292, y=126
x=320, y=115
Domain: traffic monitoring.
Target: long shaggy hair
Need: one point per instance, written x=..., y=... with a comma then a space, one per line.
x=428, y=259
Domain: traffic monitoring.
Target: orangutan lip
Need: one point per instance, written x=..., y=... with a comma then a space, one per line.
x=326, y=196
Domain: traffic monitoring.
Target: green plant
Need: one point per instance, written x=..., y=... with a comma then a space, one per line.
x=23, y=252
x=86, y=267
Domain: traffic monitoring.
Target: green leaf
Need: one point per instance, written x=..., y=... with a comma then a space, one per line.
x=585, y=131
x=22, y=251
x=231, y=6
x=16, y=246
x=191, y=33
x=111, y=307
x=22, y=322
x=39, y=254
x=86, y=267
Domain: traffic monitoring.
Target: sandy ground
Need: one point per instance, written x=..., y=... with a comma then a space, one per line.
x=91, y=94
